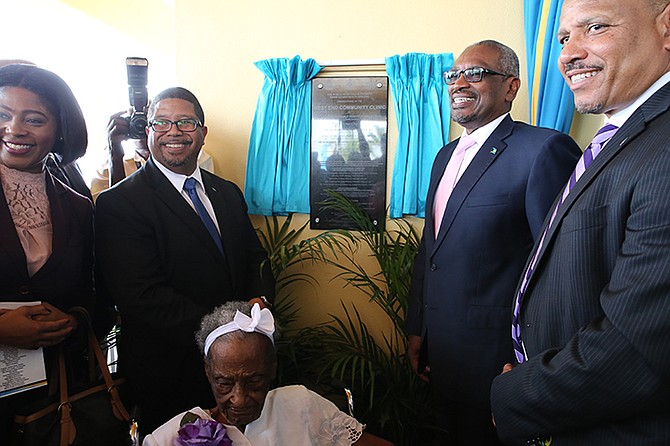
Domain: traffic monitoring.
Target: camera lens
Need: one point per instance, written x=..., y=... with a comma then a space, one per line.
x=137, y=125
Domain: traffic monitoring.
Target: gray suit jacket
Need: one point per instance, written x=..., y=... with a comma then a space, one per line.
x=596, y=315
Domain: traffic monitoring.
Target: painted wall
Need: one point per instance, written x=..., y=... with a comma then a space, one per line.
x=234, y=34
x=215, y=44
x=209, y=46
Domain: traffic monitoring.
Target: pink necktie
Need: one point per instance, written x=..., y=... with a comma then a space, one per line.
x=448, y=180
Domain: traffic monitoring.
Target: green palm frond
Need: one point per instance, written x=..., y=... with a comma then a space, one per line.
x=389, y=396
x=394, y=250
x=287, y=250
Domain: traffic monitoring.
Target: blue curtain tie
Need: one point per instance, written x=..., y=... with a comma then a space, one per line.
x=189, y=187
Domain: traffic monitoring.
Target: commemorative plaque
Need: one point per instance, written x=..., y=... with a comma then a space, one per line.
x=348, y=147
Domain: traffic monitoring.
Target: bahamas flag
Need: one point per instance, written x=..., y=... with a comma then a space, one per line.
x=551, y=101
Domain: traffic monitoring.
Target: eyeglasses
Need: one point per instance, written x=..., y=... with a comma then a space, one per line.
x=472, y=74
x=184, y=125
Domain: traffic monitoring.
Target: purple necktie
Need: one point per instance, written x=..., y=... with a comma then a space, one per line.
x=603, y=135
x=448, y=180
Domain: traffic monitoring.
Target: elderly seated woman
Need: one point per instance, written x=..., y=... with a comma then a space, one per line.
x=240, y=363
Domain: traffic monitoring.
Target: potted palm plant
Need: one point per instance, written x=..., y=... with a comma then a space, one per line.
x=344, y=351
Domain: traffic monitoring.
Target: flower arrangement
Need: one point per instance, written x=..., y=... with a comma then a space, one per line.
x=202, y=432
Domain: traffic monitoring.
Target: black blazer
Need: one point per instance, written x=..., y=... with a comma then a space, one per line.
x=596, y=315
x=463, y=281
x=161, y=267
x=66, y=279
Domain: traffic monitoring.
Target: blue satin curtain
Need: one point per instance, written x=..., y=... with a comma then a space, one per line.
x=422, y=111
x=278, y=161
x=551, y=101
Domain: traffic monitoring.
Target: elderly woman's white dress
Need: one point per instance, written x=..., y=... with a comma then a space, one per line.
x=292, y=415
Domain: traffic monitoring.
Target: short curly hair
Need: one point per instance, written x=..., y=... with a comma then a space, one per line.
x=177, y=93
x=72, y=137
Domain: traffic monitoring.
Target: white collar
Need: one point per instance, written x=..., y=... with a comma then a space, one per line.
x=178, y=179
x=482, y=133
x=620, y=117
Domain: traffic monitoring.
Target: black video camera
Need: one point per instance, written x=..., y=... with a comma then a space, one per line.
x=138, y=68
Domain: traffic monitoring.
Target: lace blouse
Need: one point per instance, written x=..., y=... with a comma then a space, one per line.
x=26, y=196
x=292, y=415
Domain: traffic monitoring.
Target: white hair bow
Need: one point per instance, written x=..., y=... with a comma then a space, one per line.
x=261, y=321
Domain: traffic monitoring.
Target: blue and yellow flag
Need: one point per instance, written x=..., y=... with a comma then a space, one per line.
x=551, y=101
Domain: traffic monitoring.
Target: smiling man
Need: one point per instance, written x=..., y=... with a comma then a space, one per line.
x=174, y=241
x=593, y=312
x=486, y=203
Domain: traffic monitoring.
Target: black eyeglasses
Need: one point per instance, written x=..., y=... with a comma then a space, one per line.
x=472, y=74
x=184, y=125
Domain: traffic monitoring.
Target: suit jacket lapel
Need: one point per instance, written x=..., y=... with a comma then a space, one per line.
x=59, y=222
x=60, y=226
x=657, y=104
x=486, y=155
x=10, y=245
x=176, y=203
x=219, y=204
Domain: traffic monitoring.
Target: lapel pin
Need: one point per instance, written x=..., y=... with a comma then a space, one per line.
x=494, y=151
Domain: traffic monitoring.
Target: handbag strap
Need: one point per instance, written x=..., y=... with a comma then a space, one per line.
x=68, y=431
x=118, y=408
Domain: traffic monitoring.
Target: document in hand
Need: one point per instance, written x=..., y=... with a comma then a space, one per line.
x=20, y=369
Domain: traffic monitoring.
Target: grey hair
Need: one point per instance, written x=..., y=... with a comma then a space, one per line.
x=508, y=62
x=221, y=315
x=658, y=5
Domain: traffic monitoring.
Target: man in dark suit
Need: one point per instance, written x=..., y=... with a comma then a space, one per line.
x=593, y=316
x=475, y=242
x=167, y=258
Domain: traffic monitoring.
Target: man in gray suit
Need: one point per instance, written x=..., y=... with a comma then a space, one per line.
x=174, y=241
x=591, y=326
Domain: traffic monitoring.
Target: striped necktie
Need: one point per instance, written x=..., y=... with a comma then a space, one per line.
x=599, y=141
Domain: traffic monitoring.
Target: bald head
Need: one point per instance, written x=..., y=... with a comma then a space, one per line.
x=4, y=62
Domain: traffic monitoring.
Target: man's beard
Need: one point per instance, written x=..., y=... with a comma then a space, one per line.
x=593, y=109
x=171, y=162
x=462, y=118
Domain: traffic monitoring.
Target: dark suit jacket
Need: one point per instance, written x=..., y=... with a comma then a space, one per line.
x=596, y=315
x=69, y=174
x=66, y=279
x=463, y=282
x=164, y=272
